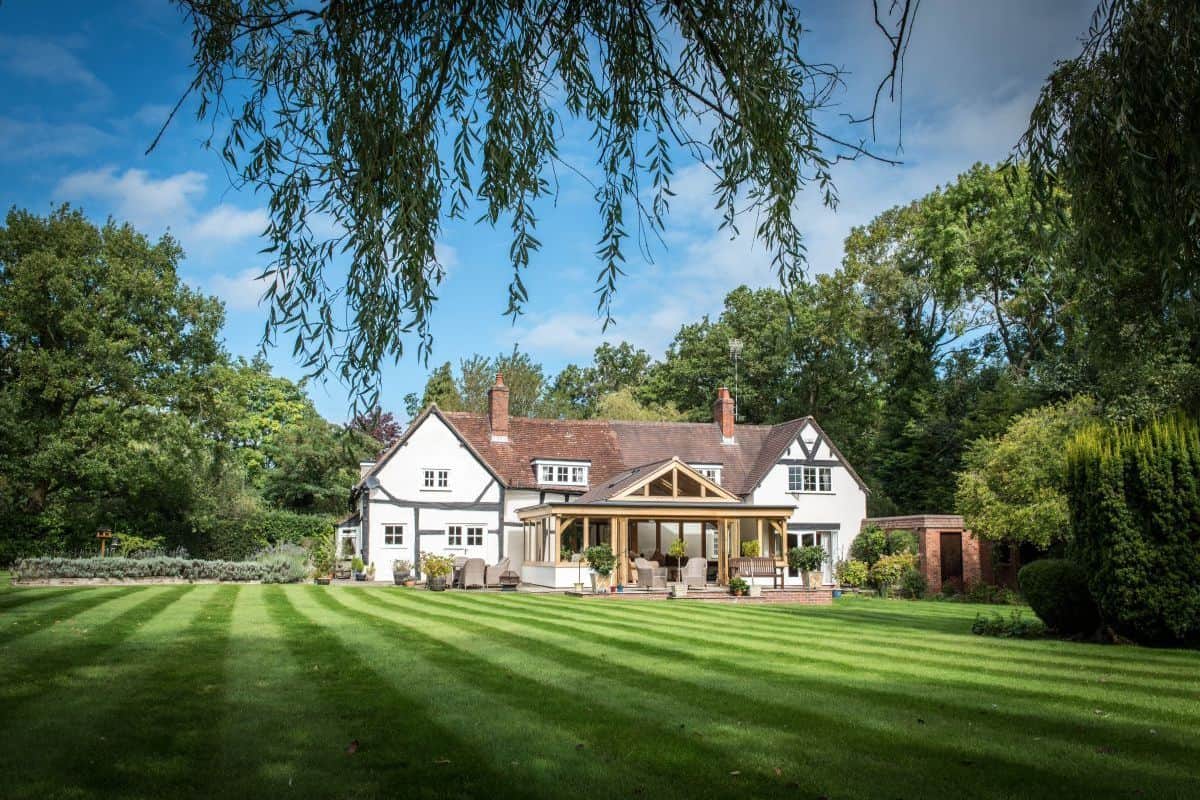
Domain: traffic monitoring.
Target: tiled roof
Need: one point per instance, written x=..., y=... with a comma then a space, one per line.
x=616, y=447
x=606, y=489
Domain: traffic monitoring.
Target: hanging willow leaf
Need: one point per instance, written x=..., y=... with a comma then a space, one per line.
x=368, y=124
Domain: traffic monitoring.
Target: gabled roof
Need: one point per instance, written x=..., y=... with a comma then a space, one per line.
x=616, y=449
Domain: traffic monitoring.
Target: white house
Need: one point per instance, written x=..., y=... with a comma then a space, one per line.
x=493, y=486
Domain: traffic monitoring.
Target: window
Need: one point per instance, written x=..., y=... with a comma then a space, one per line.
x=437, y=479
x=393, y=534
x=810, y=479
x=710, y=471
x=562, y=473
x=473, y=534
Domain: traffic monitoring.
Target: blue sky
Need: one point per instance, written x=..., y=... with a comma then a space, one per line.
x=85, y=87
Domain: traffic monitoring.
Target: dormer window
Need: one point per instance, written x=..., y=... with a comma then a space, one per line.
x=562, y=473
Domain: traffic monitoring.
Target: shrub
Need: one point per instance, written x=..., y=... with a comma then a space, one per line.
x=738, y=585
x=240, y=537
x=1134, y=498
x=357, y=564
x=132, y=546
x=979, y=592
x=913, y=583
x=869, y=546
x=806, y=559
x=750, y=548
x=889, y=570
x=1057, y=590
x=1015, y=626
x=949, y=589
x=852, y=572
x=600, y=558
x=677, y=550
x=436, y=566
x=286, y=563
x=901, y=541
x=276, y=568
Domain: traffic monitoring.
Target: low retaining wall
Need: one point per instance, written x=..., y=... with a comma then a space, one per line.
x=122, y=581
x=810, y=597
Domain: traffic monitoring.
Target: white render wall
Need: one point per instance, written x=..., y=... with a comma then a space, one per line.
x=845, y=506
x=472, y=498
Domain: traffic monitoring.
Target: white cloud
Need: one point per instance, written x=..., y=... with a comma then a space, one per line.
x=23, y=140
x=48, y=60
x=226, y=223
x=149, y=203
x=241, y=292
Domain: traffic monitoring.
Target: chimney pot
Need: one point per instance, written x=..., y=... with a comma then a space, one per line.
x=498, y=409
x=723, y=413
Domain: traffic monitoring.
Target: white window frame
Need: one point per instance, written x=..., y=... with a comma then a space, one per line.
x=396, y=531
x=562, y=472
x=805, y=479
x=435, y=479
x=710, y=471
x=465, y=534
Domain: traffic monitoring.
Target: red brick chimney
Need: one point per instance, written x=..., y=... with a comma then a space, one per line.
x=723, y=413
x=498, y=409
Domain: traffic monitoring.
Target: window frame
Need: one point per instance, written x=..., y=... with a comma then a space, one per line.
x=710, y=471
x=435, y=479
x=810, y=479
x=388, y=529
x=562, y=472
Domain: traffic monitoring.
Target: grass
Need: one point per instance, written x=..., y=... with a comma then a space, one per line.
x=240, y=691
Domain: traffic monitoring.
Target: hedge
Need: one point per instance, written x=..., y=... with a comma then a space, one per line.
x=271, y=570
x=238, y=538
x=1057, y=591
x=1134, y=497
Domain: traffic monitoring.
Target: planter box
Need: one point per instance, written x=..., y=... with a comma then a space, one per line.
x=755, y=590
x=678, y=589
x=436, y=584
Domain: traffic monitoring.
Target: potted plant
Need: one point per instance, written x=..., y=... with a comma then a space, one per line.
x=322, y=563
x=564, y=553
x=371, y=571
x=436, y=569
x=401, y=571
x=678, y=550
x=602, y=561
x=738, y=587
x=807, y=560
x=356, y=567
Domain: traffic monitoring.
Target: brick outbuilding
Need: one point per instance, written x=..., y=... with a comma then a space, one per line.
x=948, y=551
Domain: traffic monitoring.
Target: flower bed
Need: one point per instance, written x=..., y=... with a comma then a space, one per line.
x=156, y=568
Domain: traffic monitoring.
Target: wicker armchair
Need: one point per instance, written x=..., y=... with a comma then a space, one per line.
x=473, y=573
x=695, y=573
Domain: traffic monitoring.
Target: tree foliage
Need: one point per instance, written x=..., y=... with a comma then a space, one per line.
x=105, y=380
x=370, y=124
x=1134, y=500
x=1114, y=132
x=1012, y=487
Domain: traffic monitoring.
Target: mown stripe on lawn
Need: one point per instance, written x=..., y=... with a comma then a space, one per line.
x=24, y=621
x=755, y=625
x=630, y=748
x=163, y=718
x=20, y=597
x=991, y=686
x=870, y=699
x=36, y=662
x=401, y=743
x=84, y=709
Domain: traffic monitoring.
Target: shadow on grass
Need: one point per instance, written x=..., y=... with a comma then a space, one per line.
x=627, y=749
x=1006, y=774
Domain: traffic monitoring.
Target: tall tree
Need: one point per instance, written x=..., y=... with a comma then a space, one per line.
x=380, y=425
x=106, y=361
x=388, y=118
x=1115, y=129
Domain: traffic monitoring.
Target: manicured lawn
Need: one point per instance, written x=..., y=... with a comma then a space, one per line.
x=256, y=691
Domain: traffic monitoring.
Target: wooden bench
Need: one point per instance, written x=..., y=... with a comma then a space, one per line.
x=757, y=567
